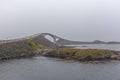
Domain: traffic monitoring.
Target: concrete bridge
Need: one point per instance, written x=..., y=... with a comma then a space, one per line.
x=54, y=37
x=56, y=40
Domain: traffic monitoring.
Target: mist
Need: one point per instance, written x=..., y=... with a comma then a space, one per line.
x=82, y=20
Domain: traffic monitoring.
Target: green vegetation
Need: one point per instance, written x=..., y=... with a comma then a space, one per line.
x=83, y=54
x=34, y=46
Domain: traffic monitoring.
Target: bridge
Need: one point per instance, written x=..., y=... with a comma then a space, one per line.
x=56, y=40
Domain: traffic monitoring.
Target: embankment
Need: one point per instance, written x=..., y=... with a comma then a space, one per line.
x=21, y=48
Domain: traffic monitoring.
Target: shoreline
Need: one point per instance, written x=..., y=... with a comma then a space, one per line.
x=70, y=55
x=84, y=54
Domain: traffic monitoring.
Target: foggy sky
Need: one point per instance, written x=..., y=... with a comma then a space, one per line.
x=83, y=20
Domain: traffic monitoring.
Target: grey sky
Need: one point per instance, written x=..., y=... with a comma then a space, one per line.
x=82, y=20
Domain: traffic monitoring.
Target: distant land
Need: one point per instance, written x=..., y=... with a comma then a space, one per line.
x=69, y=42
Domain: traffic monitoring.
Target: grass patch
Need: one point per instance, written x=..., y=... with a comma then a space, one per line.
x=34, y=46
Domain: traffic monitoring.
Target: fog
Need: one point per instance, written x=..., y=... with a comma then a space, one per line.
x=83, y=20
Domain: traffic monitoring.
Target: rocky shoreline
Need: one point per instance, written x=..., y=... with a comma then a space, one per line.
x=69, y=54
x=83, y=54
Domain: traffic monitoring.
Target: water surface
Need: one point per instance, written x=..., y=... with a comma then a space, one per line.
x=99, y=46
x=42, y=68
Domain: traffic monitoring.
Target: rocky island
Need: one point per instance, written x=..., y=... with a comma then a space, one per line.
x=84, y=54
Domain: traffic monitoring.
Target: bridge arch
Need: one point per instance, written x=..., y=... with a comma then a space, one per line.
x=55, y=38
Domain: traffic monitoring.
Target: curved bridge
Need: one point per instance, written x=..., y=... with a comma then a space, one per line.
x=56, y=40
x=54, y=37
